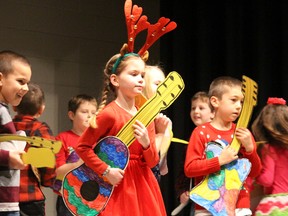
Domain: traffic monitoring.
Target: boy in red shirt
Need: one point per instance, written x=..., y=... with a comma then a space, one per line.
x=226, y=97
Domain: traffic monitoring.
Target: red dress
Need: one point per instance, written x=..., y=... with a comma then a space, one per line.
x=139, y=192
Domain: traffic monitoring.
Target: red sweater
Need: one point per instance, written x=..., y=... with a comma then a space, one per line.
x=198, y=166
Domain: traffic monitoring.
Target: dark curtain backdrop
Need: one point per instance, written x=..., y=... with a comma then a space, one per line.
x=215, y=38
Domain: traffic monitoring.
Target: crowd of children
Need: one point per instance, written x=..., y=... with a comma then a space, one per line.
x=214, y=115
x=128, y=81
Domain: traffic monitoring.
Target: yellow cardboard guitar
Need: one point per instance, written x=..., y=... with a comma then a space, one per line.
x=42, y=156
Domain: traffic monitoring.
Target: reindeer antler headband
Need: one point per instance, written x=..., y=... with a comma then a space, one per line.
x=136, y=22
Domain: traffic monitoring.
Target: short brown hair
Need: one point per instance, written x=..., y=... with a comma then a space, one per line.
x=6, y=59
x=75, y=102
x=217, y=87
x=32, y=101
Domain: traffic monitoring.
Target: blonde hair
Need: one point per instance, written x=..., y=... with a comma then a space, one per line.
x=149, y=69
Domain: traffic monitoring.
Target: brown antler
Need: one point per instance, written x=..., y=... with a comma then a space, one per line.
x=134, y=21
x=155, y=31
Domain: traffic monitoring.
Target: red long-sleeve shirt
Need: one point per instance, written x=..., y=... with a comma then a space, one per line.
x=198, y=166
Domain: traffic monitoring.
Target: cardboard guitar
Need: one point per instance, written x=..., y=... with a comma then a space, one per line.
x=218, y=192
x=87, y=193
x=41, y=154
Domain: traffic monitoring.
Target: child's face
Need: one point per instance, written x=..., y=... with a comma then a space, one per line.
x=156, y=77
x=82, y=116
x=229, y=107
x=200, y=112
x=14, y=85
x=130, y=82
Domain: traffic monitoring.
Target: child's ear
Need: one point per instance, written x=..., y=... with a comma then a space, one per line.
x=41, y=110
x=71, y=115
x=1, y=77
x=114, y=80
x=214, y=101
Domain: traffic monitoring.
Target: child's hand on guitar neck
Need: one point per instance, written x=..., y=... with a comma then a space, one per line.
x=161, y=123
x=141, y=134
x=245, y=138
x=115, y=176
x=15, y=161
x=227, y=155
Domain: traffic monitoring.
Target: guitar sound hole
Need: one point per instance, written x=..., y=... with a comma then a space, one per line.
x=89, y=190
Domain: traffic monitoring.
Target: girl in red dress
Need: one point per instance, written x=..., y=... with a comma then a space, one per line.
x=136, y=190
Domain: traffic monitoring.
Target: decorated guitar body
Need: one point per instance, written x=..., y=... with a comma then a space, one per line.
x=218, y=192
x=222, y=188
x=87, y=193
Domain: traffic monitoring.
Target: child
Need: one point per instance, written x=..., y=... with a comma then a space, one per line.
x=200, y=113
x=136, y=190
x=15, y=73
x=154, y=75
x=80, y=110
x=32, y=199
x=271, y=129
x=226, y=99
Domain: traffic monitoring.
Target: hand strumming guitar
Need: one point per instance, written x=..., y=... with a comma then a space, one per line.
x=227, y=155
x=115, y=176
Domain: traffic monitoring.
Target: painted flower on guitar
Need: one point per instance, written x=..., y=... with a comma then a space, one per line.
x=275, y=100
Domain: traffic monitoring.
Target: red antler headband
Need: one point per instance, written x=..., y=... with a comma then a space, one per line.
x=136, y=22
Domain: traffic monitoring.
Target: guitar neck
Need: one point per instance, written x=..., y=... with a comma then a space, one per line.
x=167, y=92
x=145, y=115
x=34, y=141
x=250, y=90
x=242, y=122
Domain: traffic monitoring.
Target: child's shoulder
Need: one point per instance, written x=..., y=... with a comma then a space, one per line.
x=111, y=109
x=204, y=126
x=66, y=135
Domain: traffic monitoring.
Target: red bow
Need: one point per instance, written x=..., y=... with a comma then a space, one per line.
x=275, y=100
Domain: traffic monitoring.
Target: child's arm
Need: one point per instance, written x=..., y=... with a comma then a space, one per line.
x=65, y=168
x=47, y=174
x=248, y=143
x=146, y=138
x=86, y=145
x=162, y=123
x=266, y=177
x=196, y=163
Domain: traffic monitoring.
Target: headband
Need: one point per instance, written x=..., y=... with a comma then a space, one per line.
x=120, y=59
